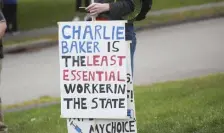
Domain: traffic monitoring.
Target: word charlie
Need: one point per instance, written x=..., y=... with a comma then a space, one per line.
x=97, y=32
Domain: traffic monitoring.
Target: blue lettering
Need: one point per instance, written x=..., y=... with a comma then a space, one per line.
x=64, y=46
x=97, y=31
x=113, y=32
x=74, y=45
x=81, y=45
x=63, y=32
x=120, y=31
x=88, y=31
x=104, y=33
x=89, y=47
x=96, y=47
x=74, y=31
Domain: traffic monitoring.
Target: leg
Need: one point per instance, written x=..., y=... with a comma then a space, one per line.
x=6, y=13
x=10, y=13
x=133, y=47
x=14, y=17
x=3, y=127
x=130, y=35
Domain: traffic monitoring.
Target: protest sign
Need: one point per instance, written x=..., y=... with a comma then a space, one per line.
x=127, y=125
x=93, y=81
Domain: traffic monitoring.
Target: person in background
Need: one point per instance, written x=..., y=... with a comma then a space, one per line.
x=10, y=13
x=3, y=26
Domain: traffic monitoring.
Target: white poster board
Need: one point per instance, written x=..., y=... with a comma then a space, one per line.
x=128, y=125
x=93, y=81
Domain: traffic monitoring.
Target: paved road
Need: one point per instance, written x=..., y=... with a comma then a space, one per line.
x=162, y=54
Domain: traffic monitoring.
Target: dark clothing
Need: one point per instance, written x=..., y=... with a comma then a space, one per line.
x=10, y=12
x=1, y=50
x=118, y=9
x=2, y=18
x=10, y=1
x=1, y=46
x=131, y=36
x=79, y=4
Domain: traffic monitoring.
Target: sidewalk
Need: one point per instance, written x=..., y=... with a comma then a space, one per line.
x=48, y=31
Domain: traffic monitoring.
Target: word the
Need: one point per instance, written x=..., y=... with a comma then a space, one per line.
x=76, y=103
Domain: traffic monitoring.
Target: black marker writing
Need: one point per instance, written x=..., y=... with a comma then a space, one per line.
x=113, y=127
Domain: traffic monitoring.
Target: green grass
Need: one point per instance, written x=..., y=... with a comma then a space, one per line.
x=41, y=100
x=167, y=4
x=44, y=13
x=176, y=17
x=148, y=21
x=187, y=106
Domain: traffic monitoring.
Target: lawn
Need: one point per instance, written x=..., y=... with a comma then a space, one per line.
x=43, y=13
x=187, y=106
x=181, y=16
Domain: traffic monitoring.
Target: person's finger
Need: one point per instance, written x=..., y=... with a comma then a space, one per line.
x=93, y=11
x=91, y=6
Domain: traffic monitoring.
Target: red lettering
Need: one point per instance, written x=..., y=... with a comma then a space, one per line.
x=73, y=74
x=88, y=62
x=96, y=60
x=120, y=59
x=85, y=78
x=65, y=75
x=119, y=77
x=112, y=59
x=92, y=76
x=104, y=59
x=112, y=76
x=79, y=75
x=99, y=73
x=106, y=76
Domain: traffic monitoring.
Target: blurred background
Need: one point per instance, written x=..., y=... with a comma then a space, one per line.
x=44, y=13
x=178, y=41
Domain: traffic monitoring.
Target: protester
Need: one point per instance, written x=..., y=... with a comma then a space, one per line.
x=10, y=13
x=3, y=26
x=131, y=10
x=116, y=11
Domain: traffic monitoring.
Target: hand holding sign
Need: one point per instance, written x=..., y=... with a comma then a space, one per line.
x=97, y=8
